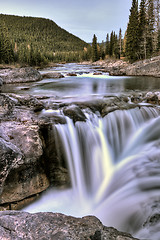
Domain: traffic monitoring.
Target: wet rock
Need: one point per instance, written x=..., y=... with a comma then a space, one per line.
x=97, y=73
x=75, y=113
x=72, y=74
x=56, y=168
x=1, y=81
x=52, y=75
x=153, y=97
x=18, y=75
x=21, y=225
x=10, y=157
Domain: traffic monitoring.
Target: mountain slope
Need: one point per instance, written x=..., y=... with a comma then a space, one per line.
x=43, y=34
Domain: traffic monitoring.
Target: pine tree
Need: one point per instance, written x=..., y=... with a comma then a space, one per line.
x=111, y=45
x=157, y=24
x=142, y=30
x=107, y=45
x=116, y=47
x=150, y=28
x=132, y=40
x=120, y=42
x=94, y=49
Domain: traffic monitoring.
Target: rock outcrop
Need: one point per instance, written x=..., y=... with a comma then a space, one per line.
x=17, y=75
x=52, y=75
x=21, y=225
x=21, y=163
x=148, y=67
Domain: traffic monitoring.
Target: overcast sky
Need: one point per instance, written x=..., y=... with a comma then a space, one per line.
x=82, y=18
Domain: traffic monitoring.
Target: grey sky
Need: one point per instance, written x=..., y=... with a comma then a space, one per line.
x=82, y=18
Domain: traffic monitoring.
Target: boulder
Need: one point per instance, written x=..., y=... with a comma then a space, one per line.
x=72, y=74
x=52, y=75
x=16, y=225
x=74, y=112
x=18, y=75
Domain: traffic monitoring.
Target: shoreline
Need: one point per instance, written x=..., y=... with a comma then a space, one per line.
x=10, y=74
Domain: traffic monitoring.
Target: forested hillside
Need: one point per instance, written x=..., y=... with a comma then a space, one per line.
x=38, y=39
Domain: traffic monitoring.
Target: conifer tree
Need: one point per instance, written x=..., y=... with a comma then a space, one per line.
x=132, y=40
x=157, y=24
x=142, y=30
x=150, y=28
x=120, y=42
x=107, y=45
x=94, y=49
x=111, y=45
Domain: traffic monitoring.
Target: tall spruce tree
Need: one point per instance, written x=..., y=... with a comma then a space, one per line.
x=132, y=40
x=94, y=49
x=111, y=45
x=120, y=42
x=107, y=45
x=157, y=24
x=150, y=28
x=142, y=30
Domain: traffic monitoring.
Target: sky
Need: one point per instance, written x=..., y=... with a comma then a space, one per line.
x=83, y=18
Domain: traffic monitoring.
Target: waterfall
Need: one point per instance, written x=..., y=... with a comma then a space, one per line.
x=114, y=167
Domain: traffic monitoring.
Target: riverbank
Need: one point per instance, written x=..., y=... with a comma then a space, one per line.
x=147, y=67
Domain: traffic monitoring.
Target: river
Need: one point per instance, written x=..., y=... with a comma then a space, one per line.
x=84, y=84
x=114, y=161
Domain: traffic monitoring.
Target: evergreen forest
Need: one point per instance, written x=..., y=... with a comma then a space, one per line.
x=37, y=41
x=141, y=39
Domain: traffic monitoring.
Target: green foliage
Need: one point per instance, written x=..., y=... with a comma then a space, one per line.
x=40, y=40
x=107, y=45
x=132, y=41
x=150, y=27
x=142, y=30
x=94, y=49
x=6, y=50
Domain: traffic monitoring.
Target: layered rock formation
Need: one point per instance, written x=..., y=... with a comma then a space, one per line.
x=55, y=226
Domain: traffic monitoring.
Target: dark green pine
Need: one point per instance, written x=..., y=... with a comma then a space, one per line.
x=94, y=49
x=132, y=40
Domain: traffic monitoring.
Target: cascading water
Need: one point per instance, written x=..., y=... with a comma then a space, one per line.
x=114, y=168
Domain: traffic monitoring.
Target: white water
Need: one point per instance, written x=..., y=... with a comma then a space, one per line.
x=114, y=169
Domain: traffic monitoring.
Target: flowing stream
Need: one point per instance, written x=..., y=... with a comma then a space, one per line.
x=114, y=167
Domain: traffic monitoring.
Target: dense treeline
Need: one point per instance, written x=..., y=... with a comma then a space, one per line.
x=142, y=37
x=37, y=41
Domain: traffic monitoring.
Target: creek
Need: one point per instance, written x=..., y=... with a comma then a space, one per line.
x=113, y=162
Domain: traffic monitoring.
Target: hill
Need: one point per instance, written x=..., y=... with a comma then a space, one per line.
x=42, y=35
